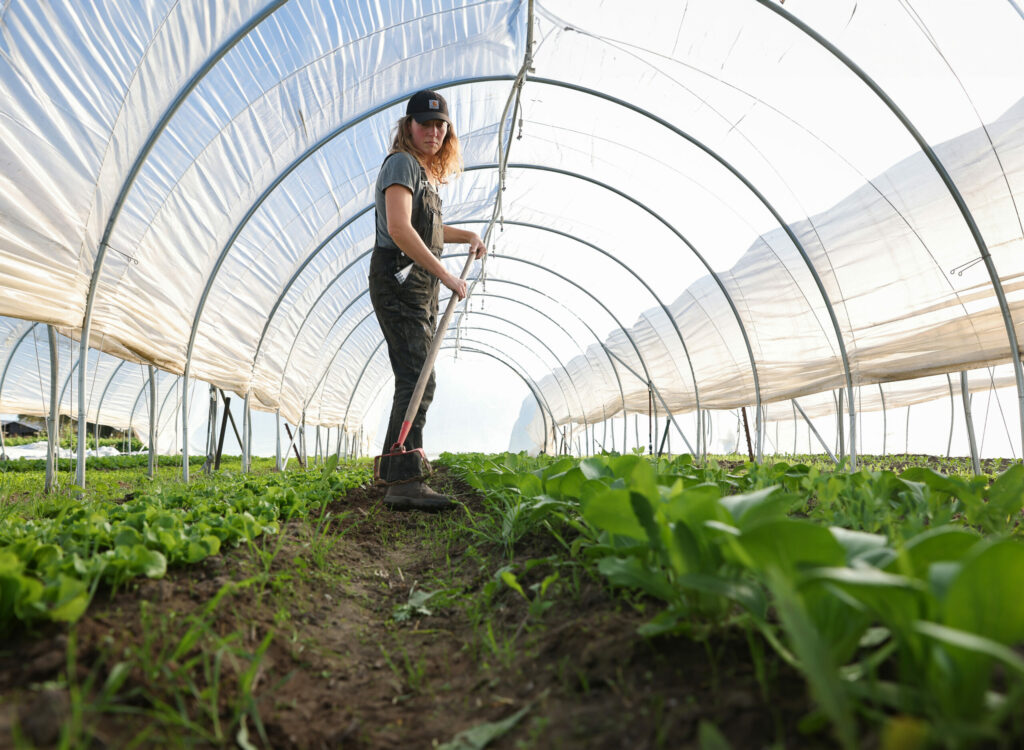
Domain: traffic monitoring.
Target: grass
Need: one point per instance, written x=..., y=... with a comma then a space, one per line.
x=512, y=574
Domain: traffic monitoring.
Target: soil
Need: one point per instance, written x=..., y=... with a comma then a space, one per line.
x=340, y=672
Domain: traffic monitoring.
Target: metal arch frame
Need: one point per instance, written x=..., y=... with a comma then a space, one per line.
x=373, y=354
x=1015, y=351
x=324, y=141
x=53, y=418
x=106, y=387
x=520, y=302
x=14, y=350
x=590, y=245
x=126, y=187
x=255, y=205
x=377, y=348
x=154, y=417
x=635, y=275
x=583, y=352
x=302, y=267
x=455, y=327
x=567, y=85
x=940, y=169
x=568, y=173
x=531, y=386
x=327, y=287
x=64, y=388
x=149, y=381
x=357, y=259
x=704, y=262
x=646, y=378
x=135, y=403
x=764, y=201
x=333, y=134
x=543, y=314
x=604, y=348
x=298, y=272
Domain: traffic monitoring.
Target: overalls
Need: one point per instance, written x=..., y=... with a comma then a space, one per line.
x=407, y=313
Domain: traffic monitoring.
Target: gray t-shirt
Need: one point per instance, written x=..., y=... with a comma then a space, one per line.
x=398, y=169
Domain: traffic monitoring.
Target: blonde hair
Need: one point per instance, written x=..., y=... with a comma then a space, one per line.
x=446, y=163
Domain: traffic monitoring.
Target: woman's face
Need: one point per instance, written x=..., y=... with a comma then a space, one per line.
x=428, y=137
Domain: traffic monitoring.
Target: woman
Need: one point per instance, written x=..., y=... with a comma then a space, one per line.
x=405, y=271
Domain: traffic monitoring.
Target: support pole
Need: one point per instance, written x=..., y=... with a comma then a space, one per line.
x=292, y=446
x=794, y=430
x=839, y=426
x=664, y=439
x=304, y=461
x=211, y=432
x=53, y=424
x=223, y=431
x=965, y=392
x=650, y=421
x=813, y=430
x=152, y=423
x=277, y=424
x=231, y=417
x=952, y=415
x=246, y=434
x=746, y=431
x=885, y=418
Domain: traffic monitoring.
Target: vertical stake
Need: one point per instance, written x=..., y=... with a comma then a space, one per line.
x=965, y=392
x=746, y=430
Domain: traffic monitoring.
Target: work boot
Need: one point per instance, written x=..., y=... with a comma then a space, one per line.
x=416, y=496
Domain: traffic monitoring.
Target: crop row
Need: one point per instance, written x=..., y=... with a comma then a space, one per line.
x=50, y=567
x=102, y=463
x=906, y=615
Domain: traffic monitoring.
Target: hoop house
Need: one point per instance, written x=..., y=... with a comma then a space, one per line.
x=691, y=208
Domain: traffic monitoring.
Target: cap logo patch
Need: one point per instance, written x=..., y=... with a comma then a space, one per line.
x=434, y=104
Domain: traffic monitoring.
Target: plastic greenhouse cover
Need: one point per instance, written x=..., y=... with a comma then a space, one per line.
x=700, y=196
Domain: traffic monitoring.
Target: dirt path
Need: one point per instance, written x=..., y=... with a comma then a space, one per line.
x=349, y=663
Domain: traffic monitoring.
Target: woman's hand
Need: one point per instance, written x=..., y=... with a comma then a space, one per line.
x=477, y=249
x=476, y=246
x=457, y=285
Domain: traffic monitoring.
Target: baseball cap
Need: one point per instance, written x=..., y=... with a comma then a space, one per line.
x=428, y=105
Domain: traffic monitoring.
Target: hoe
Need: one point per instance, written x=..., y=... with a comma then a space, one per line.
x=414, y=462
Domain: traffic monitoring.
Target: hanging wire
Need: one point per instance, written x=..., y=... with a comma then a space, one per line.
x=39, y=374
x=1002, y=415
x=127, y=256
x=513, y=105
x=959, y=270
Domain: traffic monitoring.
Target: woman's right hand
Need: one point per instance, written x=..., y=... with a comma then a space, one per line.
x=457, y=285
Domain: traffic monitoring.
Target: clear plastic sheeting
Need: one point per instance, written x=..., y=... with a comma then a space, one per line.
x=119, y=392
x=706, y=205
